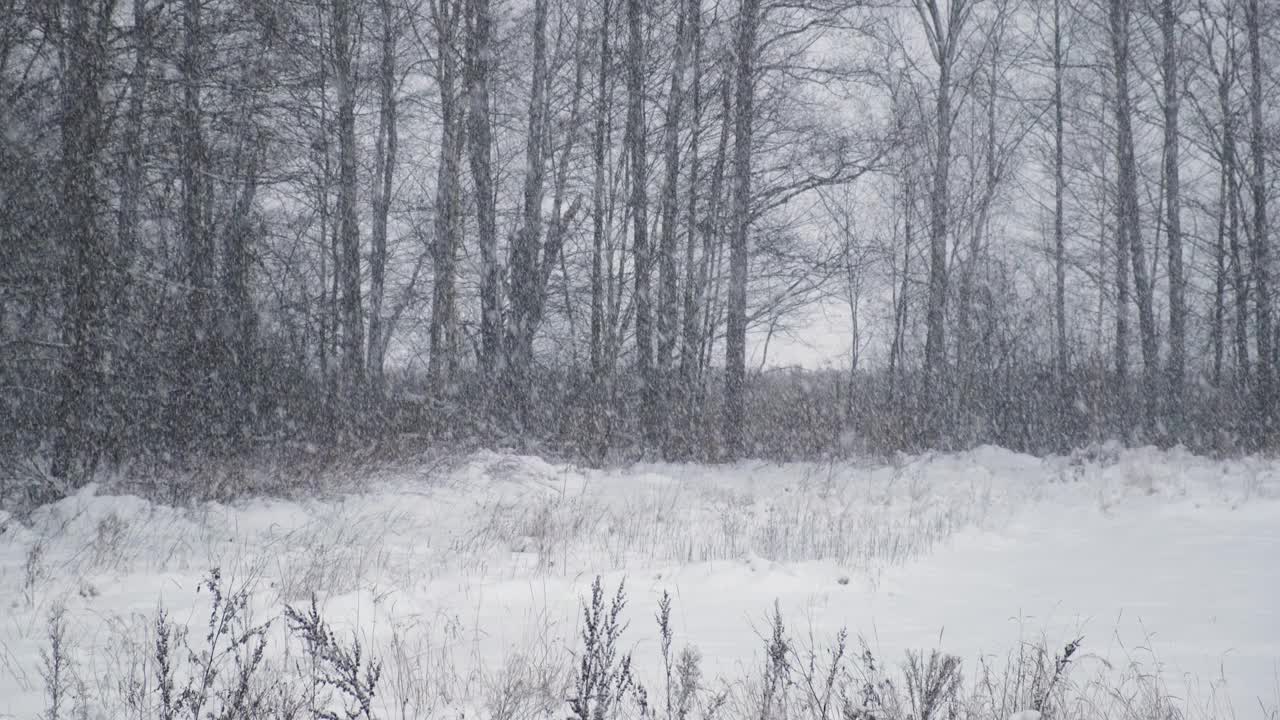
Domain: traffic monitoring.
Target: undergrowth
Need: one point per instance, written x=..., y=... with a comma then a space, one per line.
x=230, y=674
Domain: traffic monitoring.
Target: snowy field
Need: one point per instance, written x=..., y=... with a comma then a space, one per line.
x=466, y=578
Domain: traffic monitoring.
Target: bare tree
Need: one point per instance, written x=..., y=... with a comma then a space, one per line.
x=601, y=212
x=562, y=217
x=1218, y=36
x=897, y=346
x=1059, y=196
x=200, y=357
x=131, y=170
x=384, y=167
x=694, y=270
x=712, y=231
x=944, y=28
x=1128, y=220
x=1170, y=34
x=239, y=235
x=1259, y=250
x=480, y=141
x=599, y=209
x=998, y=141
x=84, y=47
x=745, y=49
x=1230, y=163
x=525, y=267
x=635, y=143
x=668, y=291
x=447, y=17
x=348, y=272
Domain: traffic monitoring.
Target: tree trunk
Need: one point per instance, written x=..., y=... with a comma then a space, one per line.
x=967, y=351
x=524, y=254
x=1216, y=329
x=669, y=289
x=712, y=229
x=615, y=278
x=1173, y=206
x=480, y=142
x=599, y=227
x=598, y=205
x=239, y=316
x=935, y=338
x=384, y=164
x=1259, y=250
x=1239, y=276
x=1059, y=192
x=348, y=222
x=736, y=321
x=635, y=146
x=897, y=345
x=693, y=282
x=118, y=285
x=201, y=333
x=561, y=218
x=131, y=170
x=325, y=177
x=444, y=246
x=1227, y=250
x=943, y=36
x=76, y=444
x=1127, y=216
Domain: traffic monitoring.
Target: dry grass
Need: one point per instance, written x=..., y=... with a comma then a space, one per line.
x=412, y=669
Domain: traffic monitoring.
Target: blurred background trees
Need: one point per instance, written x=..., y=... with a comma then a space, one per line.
x=238, y=226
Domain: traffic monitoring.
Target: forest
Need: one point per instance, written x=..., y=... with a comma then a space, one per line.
x=238, y=228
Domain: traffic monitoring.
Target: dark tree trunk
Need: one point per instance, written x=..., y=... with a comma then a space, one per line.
x=669, y=289
x=77, y=442
x=1173, y=206
x=1059, y=192
x=444, y=247
x=480, y=142
x=201, y=341
x=635, y=146
x=712, y=229
x=384, y=165
x=599, y=227
x=240, y=317
x=736, y=318
x=693, y=299
x=348, y=222
x=132, y=166
x=599, y=209
x=525, y=267
x=1240, y=277
x=1259, y=250
x=561, y=217
x=943, y=27
x=1127, y=218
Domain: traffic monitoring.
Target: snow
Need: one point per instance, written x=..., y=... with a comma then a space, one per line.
x=463, y=570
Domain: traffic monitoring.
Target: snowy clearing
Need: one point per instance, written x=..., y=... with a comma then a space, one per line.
x=472, y=571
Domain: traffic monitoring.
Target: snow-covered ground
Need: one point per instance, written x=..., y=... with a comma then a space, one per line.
x=467, y=571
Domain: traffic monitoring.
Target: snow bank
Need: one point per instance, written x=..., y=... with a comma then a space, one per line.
x=1159, y=558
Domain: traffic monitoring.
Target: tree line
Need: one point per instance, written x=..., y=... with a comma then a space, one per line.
x=229, y=225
